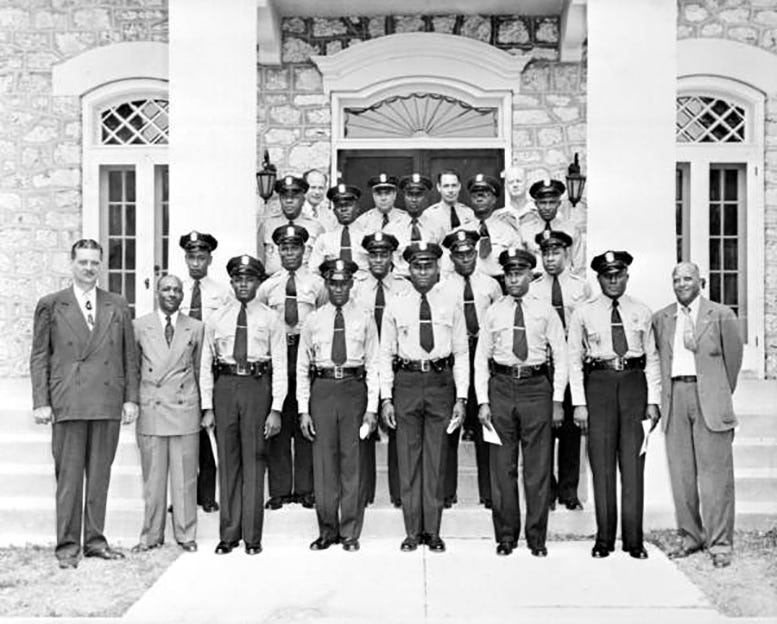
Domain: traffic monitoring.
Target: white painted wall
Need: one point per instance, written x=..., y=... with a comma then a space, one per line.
x=213, y=126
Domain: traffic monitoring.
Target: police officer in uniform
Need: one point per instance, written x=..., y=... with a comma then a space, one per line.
x=373, y=291
x=478, y=292
x=384, y=195
x=615, y=380
x=519, y=400
x=424, y=378
x=343, y=240
x=450, y=212
x=292, y=292
x=565, y=291
x=337, y=393
x=202, y=296
x=242, y=386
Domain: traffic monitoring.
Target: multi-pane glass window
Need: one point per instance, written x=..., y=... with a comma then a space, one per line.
x=682, y=212
x=707, y=119
x=119, y=226
x=139, y=122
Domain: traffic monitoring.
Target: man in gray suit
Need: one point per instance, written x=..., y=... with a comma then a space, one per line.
x=84, y=374
x=700, y=349
x=169, y=346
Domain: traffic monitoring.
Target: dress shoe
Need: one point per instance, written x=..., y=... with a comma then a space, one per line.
x=447, y=503
x=253, y=549
x=435, y=544
x=504, y=548
x=684, y=551
x=106, y=553
x=540, y=551
x=552, y=505
x=210, y=507
x=396, y=503
x=322, y=543
x=721, y=560
x=275, y=502
x=487, y=503
x=409, y=544
x=169, y=509
x=140, y=548
x=351, y=544
x=188, y=546
x=638, y=553
x=68, y=563
x=600, y=552
x=308, y=501
x=573, y=504
x=224, y=548
x=288, y=499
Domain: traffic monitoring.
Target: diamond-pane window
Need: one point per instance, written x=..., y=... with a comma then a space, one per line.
x=706, y=119
x=139, y=122
x=420, y=115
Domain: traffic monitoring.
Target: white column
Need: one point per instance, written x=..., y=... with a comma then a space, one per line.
x=631, y=161
x=213, y=126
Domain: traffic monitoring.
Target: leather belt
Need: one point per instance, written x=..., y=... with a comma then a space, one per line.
x=423, y=366
x=617, y=364
x=685, y=378
x=251, y=369
x=518, y=371
x=292, y=339
x=337, y=372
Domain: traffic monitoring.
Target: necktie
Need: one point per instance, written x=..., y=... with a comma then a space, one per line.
x=689, y=331
x=425, y=330
x=345, y=244
x=619, y=343
x=455, y=221
x=290, y=312
x=485, y=240
x=547, y=226
x=385, y=221
x=338, y=339
x=470, y=314
x=520, y=347
x=380, y=304
x=89, y=315
x=168, y=330
x=557, y=300
x=240, y=350
x=195, y=308
x=415, y=232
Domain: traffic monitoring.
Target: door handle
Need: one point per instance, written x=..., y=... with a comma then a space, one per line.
x=147, y=282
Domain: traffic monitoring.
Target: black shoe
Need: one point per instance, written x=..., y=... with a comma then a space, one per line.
x=169, y=509
x=638, y=553
x=504, y=548
x=210, y=507
x=68, y=563
x=573, y=504
x=253, y=549
x=188, y=546
x=396, y=502
x=322, y=543
x=488, y=504
x=409, y=544
x=685, y=551
x=600, y=552
x=140, y=548
x=308, y=501
x=274, y=502
x=224, y=548
x=106, y=553
x=449, y=502
x=721, y=560
x=539, y=552
x=435, y=543
x=351, y=544
x=288, y=499
x=552, y=505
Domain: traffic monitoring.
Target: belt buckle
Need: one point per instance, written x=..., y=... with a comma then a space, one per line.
x=516, y=370
x=620, y=363
x=426, y=366
x=338, y=372
x=241, y=370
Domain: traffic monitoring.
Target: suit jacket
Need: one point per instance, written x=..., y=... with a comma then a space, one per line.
x=718, y=360
x=169, y=376
x=83, y=375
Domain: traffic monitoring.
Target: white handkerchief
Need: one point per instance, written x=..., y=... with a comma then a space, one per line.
x=451, y=428
x=364, y=431
x=646, y=425
x=212, y=438
x=491, y=436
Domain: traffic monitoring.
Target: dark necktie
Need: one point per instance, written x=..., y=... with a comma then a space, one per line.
x=338, y=339
x=89, y=315
x=415, y=232
x=470, y=313
x=520, y=347
x=345, y=244
x=168, y=330
x=385, y=221
x=195, y=308
x=547, y=226
x=557, y=300
x=455, y=221
x=485, y=240
x=619, y=343
x=425, y=330
x=380, y=304
x=290, y=312
x=240, y=350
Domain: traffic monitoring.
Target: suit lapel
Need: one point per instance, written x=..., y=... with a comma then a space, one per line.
x=670, y=318
x=71, y=312
x=181, y=337
x=104, y=316
x=705, y=317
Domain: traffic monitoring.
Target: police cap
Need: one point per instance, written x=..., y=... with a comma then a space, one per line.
x=380, y=240
x=517, y=258
x=343, y=192
x=553, y=238
x=461, y=240
x=290, y=233
x=611, y=261
x=291, y=183
x=338, y=270
x=415, y=181
x=383, y=180
x=422, y=250
x=245, y=264
x=198, y=240
x=547, y=189
x=481, y=181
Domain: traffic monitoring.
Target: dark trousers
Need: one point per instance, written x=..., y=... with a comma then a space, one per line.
x=82, y=448
x=241, y=405
x=367, y=467
x=290, y=472
x=206, y=477
x=521, y=412
x=423, y=404
x=568, y=460
x=337, y=408
x=393, y=467
x=616, y=407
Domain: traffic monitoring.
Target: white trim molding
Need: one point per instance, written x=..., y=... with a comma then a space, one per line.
x=268, y=33
x=574, y=31
x=99, y=66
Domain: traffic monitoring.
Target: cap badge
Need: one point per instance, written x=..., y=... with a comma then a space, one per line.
x=382, y=177
x=422, y=245
x=339, y=265
x=193, y=237
x=244, y=260
x=288, y=180
x=378, y=235
x=546, y=182
x=609, y=257
x=416, y=177
x=341, y=188
x=545, y=234
x=479, y=177
x=461, y=235
x=290, y=230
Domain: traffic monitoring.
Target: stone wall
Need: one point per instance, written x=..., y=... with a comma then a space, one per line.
x=40, y=147
x=752, y=22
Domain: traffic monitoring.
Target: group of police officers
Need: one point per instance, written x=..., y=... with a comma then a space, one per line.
x=429, y=321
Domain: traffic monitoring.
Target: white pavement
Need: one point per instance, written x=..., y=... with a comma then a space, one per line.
x=468, y=583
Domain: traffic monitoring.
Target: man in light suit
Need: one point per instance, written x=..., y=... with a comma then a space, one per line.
x=84, y=374
x=700, y=349
x=169, y=346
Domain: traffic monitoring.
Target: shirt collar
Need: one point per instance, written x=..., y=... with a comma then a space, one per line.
x=84, y=295
x=163, y=319
x=693, y=306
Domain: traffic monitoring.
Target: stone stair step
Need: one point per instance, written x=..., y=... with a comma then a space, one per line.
x=754, y=452
x=756, y=484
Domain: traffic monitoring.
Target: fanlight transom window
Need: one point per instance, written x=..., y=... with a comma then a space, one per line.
x=708, y=119
x=421, y=115
x=138, y=122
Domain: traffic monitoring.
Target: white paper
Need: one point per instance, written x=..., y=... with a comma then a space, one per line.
x=491, y=436
x=646, y=426
x=364, y=431
x=212, y=438
x=451, y=428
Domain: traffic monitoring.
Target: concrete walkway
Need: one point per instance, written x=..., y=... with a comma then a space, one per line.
x=469, y=583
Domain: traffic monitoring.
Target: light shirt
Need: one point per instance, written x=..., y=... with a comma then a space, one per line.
x=590, y=335
x=485, y=290
x=82, y=296
x=372, y=220
x=365, y=288
x=401, y=336
x=327, y=246
x=543, y=330
x=311, y=293
x=265, y=341
x=163, y=318
x=213, y=296
x=322, y=213
x=575, y=291
x=683, y=360
x=431, y=232
x=503, y=236
x=267, y=250
x=532, y=224
x=361, y=347
x=442, y=212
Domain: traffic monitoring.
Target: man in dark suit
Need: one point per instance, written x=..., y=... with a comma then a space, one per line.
x=700, y=349
x=84, y=373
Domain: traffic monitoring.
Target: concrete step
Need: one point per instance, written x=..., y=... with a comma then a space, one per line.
x=756, y=484
x=757, y=452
